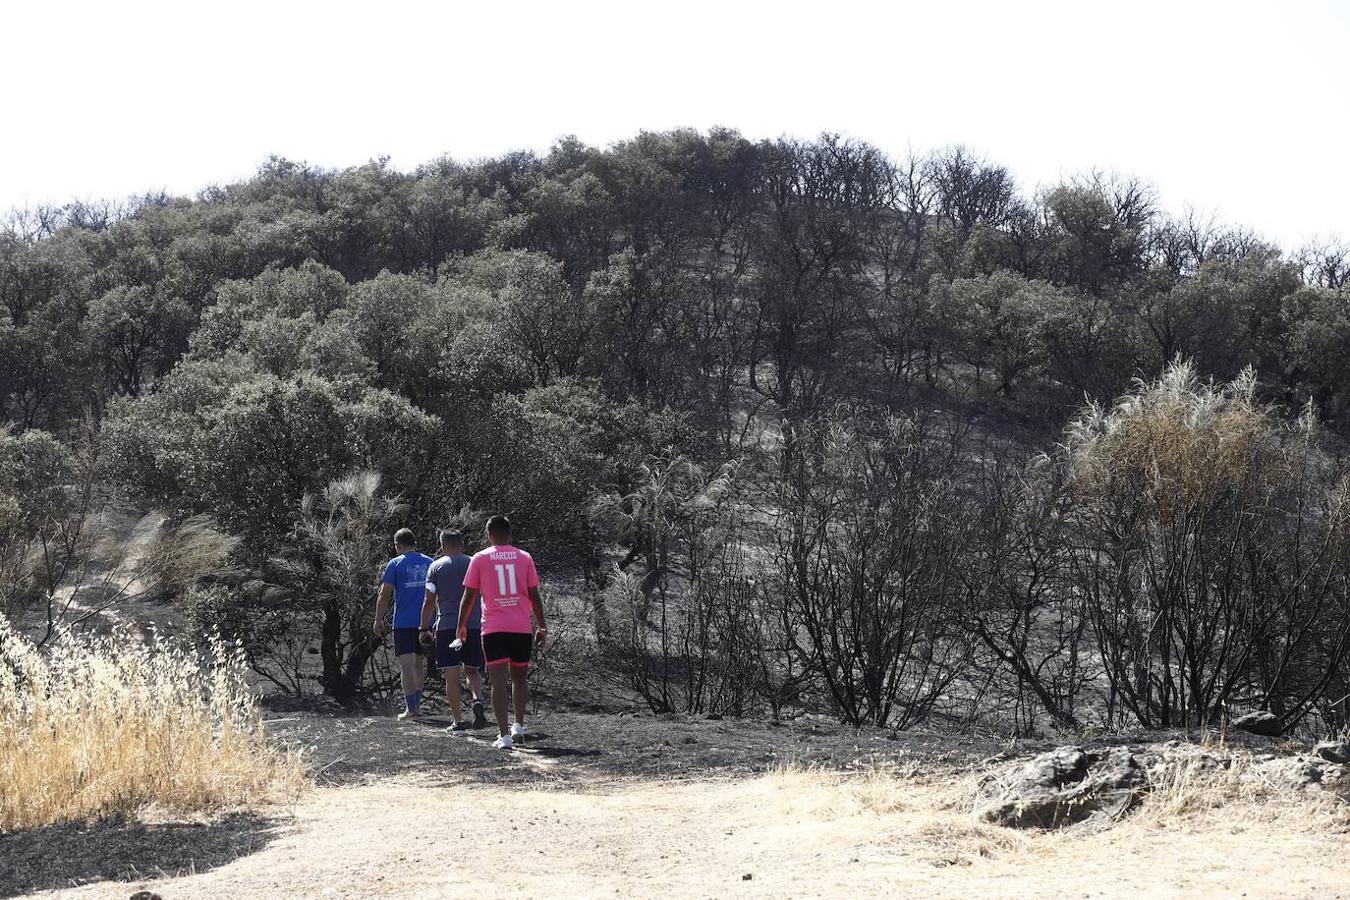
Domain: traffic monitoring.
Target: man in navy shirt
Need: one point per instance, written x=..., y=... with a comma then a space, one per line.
x=445, y=587
x=405, y=577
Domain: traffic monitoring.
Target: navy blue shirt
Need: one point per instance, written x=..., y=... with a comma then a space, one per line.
x=445, y=579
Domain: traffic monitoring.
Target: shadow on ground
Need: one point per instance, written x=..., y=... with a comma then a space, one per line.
x=62, y=856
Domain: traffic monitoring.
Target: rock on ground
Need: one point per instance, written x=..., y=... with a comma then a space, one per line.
x=1067, y=786
x=1263, y=723
x=1092, y=788
x=1334, y=751
x=1294, y=773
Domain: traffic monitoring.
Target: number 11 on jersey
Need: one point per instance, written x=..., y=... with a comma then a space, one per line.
x=506, y=579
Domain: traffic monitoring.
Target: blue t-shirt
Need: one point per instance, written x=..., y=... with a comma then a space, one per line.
x=408, y=575
x=445, y=579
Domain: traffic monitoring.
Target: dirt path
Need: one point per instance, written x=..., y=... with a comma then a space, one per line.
x=793, y=835
x=483, y=823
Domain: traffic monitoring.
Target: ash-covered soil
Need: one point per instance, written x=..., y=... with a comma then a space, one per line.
x=570, y=747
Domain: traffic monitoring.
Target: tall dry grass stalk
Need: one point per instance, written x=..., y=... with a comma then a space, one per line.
x=96, y=726
x=1188, y=788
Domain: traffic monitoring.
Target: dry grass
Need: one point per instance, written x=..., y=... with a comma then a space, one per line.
x=924, y=816
x=931, y=816
x=1193, y=789
x=829, y=794
x=1189, y=786
x=98, y=726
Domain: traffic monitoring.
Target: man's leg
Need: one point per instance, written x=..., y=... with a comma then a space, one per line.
x=475, y=678
x=498, y=675
x=419, y=674
x=473, y=663
x=407, y=676
x=476, y=686
x=451, y=676
x=520, y=691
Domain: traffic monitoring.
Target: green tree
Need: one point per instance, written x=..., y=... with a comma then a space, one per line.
x=1001, y=322
x=224, y=439
x=135, y=331
x=1318, y=352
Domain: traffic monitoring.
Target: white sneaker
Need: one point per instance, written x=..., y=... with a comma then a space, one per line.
x=502, y=743
x=518, y=730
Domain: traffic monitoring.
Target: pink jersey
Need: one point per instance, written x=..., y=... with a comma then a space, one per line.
x=504, y=576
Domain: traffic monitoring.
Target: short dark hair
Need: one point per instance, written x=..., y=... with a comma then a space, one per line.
x=405, y=538
x=452, y=537
x=499, y=526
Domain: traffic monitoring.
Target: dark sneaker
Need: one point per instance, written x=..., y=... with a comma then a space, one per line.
x=459, y=729
x=479, y=719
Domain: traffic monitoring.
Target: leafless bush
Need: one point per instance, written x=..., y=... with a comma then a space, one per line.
x=683, y=626
x=869, y=539
x=1020, y=601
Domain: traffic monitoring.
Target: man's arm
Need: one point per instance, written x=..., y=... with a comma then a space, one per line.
x=537, y=605
x=382, y=608
x=428, y=607
x=466, y=610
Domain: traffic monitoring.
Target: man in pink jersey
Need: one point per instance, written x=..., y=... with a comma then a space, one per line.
x=508, y=583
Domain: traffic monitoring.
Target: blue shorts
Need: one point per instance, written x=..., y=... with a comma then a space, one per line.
x=406, y=641
x=471, y=654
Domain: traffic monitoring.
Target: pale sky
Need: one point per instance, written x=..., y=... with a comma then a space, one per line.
x=1236, y=107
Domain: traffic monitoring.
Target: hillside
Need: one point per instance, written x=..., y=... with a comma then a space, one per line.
x=704, y=375
x=858, y=484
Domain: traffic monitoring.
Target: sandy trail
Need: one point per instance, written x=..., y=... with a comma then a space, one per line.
x=792, y=834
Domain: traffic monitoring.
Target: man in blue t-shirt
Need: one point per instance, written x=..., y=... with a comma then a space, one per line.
x=445, y=588
x=405, y=576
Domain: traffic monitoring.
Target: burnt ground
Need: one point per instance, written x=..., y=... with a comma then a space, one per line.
x=565, y=748
x=580, y=744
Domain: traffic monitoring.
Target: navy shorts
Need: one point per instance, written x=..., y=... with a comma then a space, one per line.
x=471, y=654
x=508, y=646
x=405, y=641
